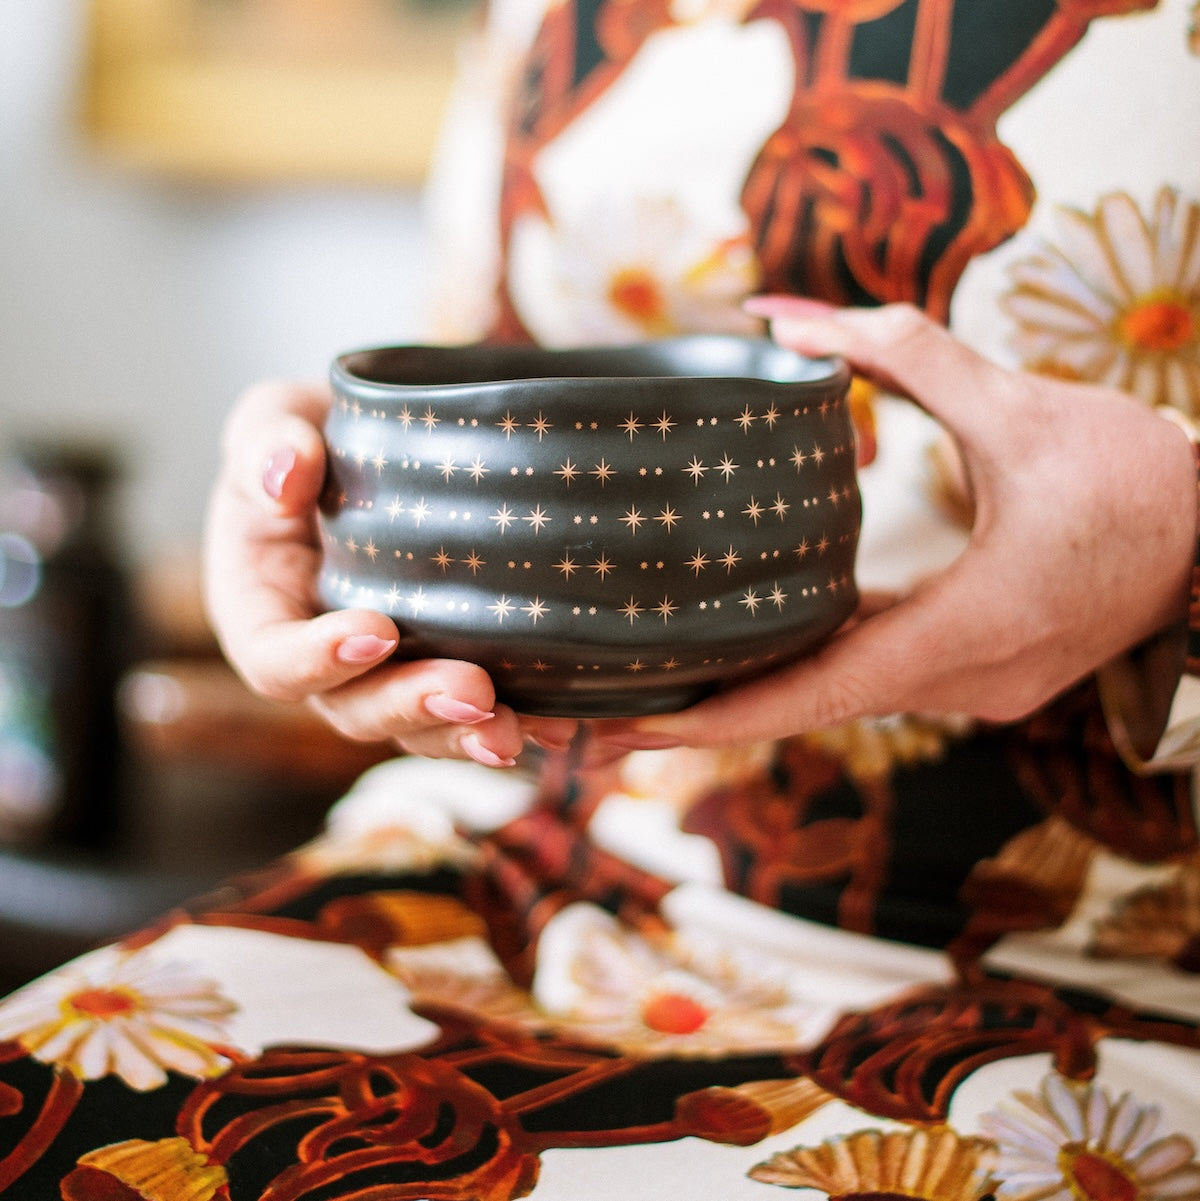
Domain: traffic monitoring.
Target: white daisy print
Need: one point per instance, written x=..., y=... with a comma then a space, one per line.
x=121, y=1013
x=1116, y=299
x=659, y=998
x=641, y=271
x=1074, y=1142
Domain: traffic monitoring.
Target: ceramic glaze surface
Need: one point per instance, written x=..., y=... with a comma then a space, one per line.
x=607, y=531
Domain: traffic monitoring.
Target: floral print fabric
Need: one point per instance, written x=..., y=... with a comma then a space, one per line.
x=904, y=959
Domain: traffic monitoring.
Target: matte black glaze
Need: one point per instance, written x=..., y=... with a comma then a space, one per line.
x=608, y=531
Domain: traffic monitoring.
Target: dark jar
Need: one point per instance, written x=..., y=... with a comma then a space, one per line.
x=63, y=646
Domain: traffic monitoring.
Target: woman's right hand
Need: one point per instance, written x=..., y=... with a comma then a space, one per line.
x=262, y=555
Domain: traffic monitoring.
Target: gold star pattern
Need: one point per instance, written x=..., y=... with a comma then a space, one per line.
x=603, y=472
x=735, y=527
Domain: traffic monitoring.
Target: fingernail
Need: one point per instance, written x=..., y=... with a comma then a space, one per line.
x=460, y=713
x=474, y=749
x=364, y=648
x=276, y=469
x=632, y=740
x=787, y=306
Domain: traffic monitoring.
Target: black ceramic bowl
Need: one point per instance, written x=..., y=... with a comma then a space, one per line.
x=609, y=531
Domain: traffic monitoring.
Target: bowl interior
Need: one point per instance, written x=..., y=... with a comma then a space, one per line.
x=699, y=357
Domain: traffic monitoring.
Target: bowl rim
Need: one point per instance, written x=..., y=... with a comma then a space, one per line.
x=344, y=376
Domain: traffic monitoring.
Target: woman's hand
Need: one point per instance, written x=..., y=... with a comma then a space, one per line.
x=262, y=557
x=1082, y=543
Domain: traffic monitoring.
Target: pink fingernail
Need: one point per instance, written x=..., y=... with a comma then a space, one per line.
x=460, y=713
x=632, y=740
x=276, y=469
x=364, y=648
x=474, y=749
x=788, y=306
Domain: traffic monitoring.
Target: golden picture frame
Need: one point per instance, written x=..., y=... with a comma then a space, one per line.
x=264, y=91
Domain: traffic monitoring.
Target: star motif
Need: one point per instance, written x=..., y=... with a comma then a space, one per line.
x=823, y=544
x=567, y=566
x=503, y=518
x=730, y=559
x=474, y=562
x=798, y=457
x=631, y=425
x=502, y=608
x=696, y=470
x=540, y=665
x=371, y=550
x=751, y=600
x=771, y=416
x=568, y=471
x=636, y=666
x=418, y=600
x=633, y=519
x=379, y=462
x=801, y=548
x=777, y=597
x=352, y=545
x=745, y=419
x=834, y=496
x=753, y=510
x=602, y=566
x=393, y=598
x=447, y=468
x=631, y=609
x=477, y=470
x=727, y=467
x=509, y=424
x=405, y=417
x=780, y=507
x=666, y=609
x=395, y=508
x=536, y=608
x=442, y=559
x=429, y=420
x=360, y=459
x=664, y=425
x=537, y=518
x=818, y=455
x=698, y=562
x=356, y=409
x=667, y=518
x=540, y=425
x=419, y=511
x=669, y=664
x=603, y=472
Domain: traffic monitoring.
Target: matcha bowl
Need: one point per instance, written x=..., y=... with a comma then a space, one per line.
x=608, y=531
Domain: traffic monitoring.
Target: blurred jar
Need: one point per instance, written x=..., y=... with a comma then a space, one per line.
x=64, y=621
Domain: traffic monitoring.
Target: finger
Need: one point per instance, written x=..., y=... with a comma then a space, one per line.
x=433, y=708
x=403, y=700
x=273, y=452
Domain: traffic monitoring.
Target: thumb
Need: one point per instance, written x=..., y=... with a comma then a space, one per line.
x=901, y=349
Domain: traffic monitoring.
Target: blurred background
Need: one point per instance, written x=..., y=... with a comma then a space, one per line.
x=197, y=194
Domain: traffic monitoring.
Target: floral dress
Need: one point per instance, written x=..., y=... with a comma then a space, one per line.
x=906, y=958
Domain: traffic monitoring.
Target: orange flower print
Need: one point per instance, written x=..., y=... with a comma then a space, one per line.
x=1073, y=1142
x=626, y=274
x=659, y=998
x=123, y=1014
x=933, y=1164
x=167, y=1170
x=1116, y=300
